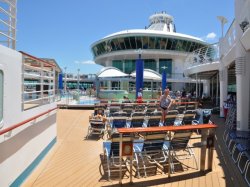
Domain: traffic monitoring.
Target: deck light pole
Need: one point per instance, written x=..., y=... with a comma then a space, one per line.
x=223, y=21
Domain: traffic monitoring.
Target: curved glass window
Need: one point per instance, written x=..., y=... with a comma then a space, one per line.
x=127, y=43
x=139, y=42
x=163, y=43
x=145, y=42
x=150, y=64
x=1, y=96
x=129, y=66
x=117, y=64
x=151, y=43
x=132, y=42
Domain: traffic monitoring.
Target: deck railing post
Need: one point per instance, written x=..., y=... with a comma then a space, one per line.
x=120, y=160
x=203, y=149
x=169, y=154
x=210, y=149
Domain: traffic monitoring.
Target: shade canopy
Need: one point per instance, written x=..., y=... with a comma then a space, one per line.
x=111, y=72
x=149, y=74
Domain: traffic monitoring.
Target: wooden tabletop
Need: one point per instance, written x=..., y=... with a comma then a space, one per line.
x=167, y=128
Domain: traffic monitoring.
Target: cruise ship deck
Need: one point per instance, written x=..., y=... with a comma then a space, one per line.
x=76, y=161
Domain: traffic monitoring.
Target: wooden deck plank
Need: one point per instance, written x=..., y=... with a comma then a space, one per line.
x=75, y=161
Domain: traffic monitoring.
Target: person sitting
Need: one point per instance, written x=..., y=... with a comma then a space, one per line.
x=99, y=116
x=126, y=99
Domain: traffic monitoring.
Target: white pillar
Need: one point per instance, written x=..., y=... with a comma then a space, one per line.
x=223, y=87
x=109, y=85
x=123, y=66
x=212, y=89
x=157, y=65
x=196, y=86
x=242, y=69
x=206, y=87
x=217, y=89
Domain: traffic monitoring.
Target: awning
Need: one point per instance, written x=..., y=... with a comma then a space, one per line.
x=149, y=75
x=111, y=72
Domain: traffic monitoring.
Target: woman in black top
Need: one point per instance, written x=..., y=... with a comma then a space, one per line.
x=165, y=104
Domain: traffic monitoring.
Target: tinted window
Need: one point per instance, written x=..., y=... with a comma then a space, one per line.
x=127, y=43
x=132, y=42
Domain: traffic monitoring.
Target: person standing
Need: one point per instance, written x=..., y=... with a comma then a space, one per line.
x=139, y=96
x=165, y=104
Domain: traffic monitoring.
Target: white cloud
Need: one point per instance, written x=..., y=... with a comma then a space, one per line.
x=84, y=62
x=211, y=36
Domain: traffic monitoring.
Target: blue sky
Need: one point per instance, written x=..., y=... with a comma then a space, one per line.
x=64, y=30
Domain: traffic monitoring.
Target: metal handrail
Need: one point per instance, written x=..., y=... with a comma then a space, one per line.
x=204, y=55
x=25, y=121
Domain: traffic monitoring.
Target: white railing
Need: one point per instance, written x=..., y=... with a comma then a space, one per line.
x=202, y=55
x=228, y=41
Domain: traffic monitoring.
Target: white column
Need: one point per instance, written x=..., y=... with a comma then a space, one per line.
x=206, y=87
x=242, y=69
x=196, y=86
x=123, y=66
x=157, y=65
x=217, y=89
x=109, y=85
x=223, y=87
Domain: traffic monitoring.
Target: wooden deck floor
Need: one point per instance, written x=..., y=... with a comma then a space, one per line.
x=75, y=161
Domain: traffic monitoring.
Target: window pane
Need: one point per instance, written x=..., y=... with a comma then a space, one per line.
x=127, y=43
x=1, y=95
x=163, y=43
x=139, y=42
x=174, y=44
x=122, y=43
x=157, y=43
x=129, y=66
x=145, y=42
x=117, y=64
x=169, y=44
x=117, y=45
x=167, y=63
x=132, y=42
x=150, y=64
x=151, y=42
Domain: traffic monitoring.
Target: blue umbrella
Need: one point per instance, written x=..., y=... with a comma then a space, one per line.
x=139, y=74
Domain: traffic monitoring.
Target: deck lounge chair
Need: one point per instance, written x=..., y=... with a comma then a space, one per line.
x=96, y=126
x=243, y=161
x=128, y=108
x=149, y=152
x=247, y=174
x=137, y=119
x=154, y=119
x=112, y=155
x=179, y=143
x=188, y=117
x=171, y=117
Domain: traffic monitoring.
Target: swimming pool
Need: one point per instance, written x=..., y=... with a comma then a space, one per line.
x=88, y=102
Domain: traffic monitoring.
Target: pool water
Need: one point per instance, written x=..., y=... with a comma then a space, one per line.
x=88, y=102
